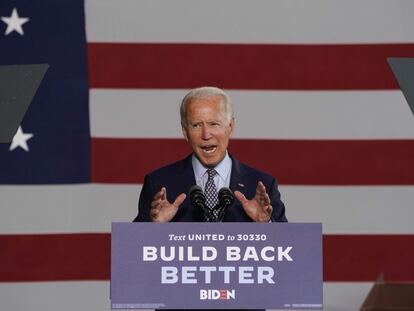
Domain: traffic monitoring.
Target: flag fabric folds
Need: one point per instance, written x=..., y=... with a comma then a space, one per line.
x=316, y=105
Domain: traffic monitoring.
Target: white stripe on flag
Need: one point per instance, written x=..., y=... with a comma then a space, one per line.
x=237, y=21
x=92, y=208
x=352, y=210
x=66, y=208
x=276, y=114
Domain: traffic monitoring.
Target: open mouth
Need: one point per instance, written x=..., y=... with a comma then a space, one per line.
x=209, y=148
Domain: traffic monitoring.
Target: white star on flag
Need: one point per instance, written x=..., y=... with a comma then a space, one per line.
x=20, y=140
x=14, y=22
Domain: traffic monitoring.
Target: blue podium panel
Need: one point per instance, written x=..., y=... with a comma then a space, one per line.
x=216, y=265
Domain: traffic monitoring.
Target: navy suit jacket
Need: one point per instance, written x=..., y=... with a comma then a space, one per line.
x=179, y=177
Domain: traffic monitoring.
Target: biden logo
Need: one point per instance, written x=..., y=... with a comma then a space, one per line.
x=217, y=294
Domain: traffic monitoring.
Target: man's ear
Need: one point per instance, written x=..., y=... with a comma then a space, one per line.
x=184, y=130
x=232, y=124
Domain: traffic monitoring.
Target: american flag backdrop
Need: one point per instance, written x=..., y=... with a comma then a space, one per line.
x=316, y=105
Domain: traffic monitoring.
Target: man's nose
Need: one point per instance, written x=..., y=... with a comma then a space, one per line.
x=205, y=133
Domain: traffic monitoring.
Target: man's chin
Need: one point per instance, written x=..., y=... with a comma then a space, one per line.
x=208, y=162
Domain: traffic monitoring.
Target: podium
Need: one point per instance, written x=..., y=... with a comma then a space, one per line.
x=216, y=266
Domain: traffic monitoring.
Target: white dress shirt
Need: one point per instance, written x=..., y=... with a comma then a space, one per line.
x=222, y=179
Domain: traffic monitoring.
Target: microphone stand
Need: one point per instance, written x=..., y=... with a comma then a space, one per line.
x=198, y=200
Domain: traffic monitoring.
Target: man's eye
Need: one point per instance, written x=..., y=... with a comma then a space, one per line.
x=196, y=126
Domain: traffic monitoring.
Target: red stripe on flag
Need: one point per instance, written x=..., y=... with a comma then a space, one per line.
x=364, y=257
x=87, y=257
x=54, y=257
x=305, y=162
x=238, y=66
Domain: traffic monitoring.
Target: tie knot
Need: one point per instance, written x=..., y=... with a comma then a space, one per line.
x=211, y=173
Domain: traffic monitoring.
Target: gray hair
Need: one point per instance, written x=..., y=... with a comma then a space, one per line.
x=205, y=92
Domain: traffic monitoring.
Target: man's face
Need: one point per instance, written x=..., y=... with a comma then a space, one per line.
x=208, y=131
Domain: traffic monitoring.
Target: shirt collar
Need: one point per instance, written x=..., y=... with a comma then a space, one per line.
x=223, y=168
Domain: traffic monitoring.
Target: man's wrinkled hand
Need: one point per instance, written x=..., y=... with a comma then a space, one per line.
x=161, y=209
x=259, y=209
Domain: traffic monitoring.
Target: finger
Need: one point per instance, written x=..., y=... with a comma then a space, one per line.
x=156, y=203
x=260, y=190
x=159, y=194
x=261, y=194
x=154, y=212
x=258, y=197
x=240, y=196
x=261, y=187
x=269, y=209
x=164, y=190
x=179, y=200
x=266, y=199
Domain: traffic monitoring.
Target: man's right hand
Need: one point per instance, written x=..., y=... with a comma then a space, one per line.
x=161, y=209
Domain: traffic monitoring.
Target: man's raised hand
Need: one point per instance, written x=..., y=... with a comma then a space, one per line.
x=161, y=209
x=259, y=208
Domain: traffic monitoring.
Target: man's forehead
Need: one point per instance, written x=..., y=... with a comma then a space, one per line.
x=204, y=102
x=204, y=99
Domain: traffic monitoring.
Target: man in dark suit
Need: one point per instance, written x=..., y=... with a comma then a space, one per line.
x=207, y=122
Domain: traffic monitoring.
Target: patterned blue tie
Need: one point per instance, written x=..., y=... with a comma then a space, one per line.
x=210, y=192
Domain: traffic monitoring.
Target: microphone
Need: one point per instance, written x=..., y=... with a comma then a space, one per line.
x=198, y=200
x=226, y=199
x=197, y=197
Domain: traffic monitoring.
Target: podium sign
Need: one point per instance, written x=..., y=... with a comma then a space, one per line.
x=216, y=266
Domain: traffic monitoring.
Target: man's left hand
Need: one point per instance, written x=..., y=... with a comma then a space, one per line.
x=259, y=208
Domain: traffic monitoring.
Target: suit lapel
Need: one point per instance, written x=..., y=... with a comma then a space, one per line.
x=238, y=182
x=237, y=179
x=188, y=178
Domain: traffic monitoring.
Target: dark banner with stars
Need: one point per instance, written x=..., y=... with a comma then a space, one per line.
x=52, y=145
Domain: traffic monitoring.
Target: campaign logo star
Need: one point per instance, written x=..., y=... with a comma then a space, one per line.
x=20, y=140
x=14, y=22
